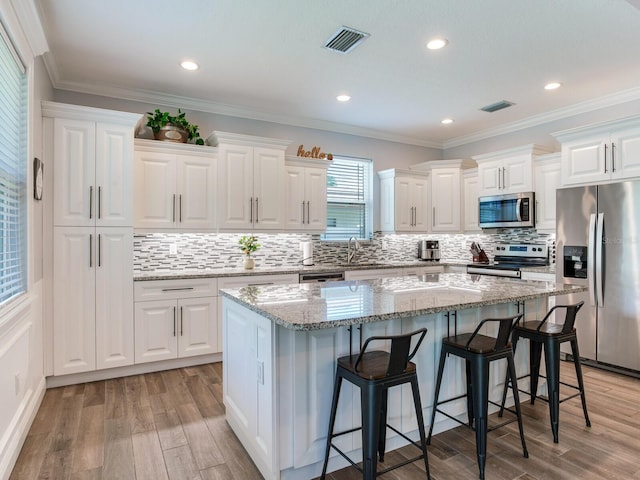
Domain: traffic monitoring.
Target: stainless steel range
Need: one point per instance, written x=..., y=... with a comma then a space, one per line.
x=509, y=258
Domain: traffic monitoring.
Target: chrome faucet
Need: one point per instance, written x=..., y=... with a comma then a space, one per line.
x=351, y=254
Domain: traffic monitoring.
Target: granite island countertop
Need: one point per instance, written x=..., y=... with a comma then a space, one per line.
x=314, y=306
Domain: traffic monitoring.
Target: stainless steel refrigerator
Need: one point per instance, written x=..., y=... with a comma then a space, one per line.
x=598, y=244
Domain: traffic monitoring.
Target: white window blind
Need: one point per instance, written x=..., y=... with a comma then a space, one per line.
x=348, y=199
x=13, y=169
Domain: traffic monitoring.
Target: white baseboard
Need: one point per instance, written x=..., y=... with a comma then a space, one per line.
x=17, y=433
x=63, y=380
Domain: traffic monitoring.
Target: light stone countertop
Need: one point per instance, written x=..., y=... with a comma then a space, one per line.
x=314, y=306
x=169, y=274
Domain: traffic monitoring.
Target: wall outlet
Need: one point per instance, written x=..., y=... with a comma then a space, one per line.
x=173, y=249
x=463, y=244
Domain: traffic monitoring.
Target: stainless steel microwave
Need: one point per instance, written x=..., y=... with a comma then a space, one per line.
x=509, y=210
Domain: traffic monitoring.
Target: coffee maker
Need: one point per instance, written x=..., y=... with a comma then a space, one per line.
x=429, y=250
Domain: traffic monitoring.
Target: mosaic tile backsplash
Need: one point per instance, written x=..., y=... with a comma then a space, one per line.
x=209, y=250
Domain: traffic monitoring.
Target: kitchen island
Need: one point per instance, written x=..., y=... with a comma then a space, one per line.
x=281, y=344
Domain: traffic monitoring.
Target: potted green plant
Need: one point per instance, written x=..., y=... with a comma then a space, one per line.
x=173, y=128
x=248, y=244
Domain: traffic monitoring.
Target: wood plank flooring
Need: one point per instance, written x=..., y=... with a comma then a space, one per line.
x=170, y=425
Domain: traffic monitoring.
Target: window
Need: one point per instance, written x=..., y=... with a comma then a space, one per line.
x=349, y=199
x=13, y=172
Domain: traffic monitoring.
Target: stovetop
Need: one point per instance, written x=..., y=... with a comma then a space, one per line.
x=513, y=256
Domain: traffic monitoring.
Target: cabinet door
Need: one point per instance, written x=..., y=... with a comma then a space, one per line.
x=316, y=195
x=114, y=297
x=625, y=153
x=295, y=200
x=74, y=172
x=196, y=190
x=403, y=205
x=420, y=199
x=74, y=329
x=198, y=326
x=114, y=175
x=547, y=179
x=490, y=176
x=268, y=189
x=445, y=198
x=471, y=189
x=155, y=179
x=156, y=329
x=517, y=174
x=583, y=161
x=235, y=186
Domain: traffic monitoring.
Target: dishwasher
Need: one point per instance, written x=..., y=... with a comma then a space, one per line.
x=320, y=277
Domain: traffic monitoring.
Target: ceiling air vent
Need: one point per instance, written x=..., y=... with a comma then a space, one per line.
x=494, y=107
x=345, y=40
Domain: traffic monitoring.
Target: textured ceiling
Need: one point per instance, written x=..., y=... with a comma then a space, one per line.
x=264, y=60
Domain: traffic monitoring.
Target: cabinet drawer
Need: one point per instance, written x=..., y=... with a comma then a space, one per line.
x=249, y=280
x=172, y=289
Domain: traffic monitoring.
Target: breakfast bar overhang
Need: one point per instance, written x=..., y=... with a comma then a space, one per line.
x=281, y=344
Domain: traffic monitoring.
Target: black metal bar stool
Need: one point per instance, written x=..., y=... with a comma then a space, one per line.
x=478, y=351
x=550, y=336
x=374, y=373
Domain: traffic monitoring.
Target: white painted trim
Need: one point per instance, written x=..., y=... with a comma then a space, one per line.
x=144, y=145
x=76, y=112
x=249, y=140
x=306, y=161
x=19, y=429
x=558, y=114
x=63, y=380
x=29, y=18
x=530, y=149
x=600, y=128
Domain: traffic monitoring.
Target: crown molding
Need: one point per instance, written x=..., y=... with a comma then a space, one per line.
x=558, y=114
x=201, y=105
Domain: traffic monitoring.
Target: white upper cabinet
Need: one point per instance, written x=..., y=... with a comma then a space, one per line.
x=507, y=171
x=306, y=195
x=92, y=165
x=470, y=191
x=175, y=186
x=547, y=179
x=601, y=153
x=251, y=182
x=404, y=199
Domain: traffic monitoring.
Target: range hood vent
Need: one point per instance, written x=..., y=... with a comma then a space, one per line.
x=494, y=107
x=345, y=40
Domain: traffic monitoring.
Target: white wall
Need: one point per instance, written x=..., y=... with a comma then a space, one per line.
x=21, y=329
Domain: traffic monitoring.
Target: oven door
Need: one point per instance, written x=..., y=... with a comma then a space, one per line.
x=493, y=270
x=511, y=210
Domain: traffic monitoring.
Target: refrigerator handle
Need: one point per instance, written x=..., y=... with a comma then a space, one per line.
x=591, y=259
x=599, y=266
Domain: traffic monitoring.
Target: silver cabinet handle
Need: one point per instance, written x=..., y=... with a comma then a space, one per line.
x=433, y=219
x=174, y=321
x=91, y=202
x=251, y=210
x=99, y=250
x=99, y=203
x=498, y=172
x=174, y=208
x=257, y=211
x=504, y=180
x=259, y=284
x=181, y=321
x=90, y=250
x=308, y=212
x=605, y=158
x=303, y=212
x=176, y=289
x=180, y=205
x=415, y=216
x=613, y=157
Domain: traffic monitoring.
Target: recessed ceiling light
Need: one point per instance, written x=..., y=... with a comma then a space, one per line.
x=437, y=43
x=552, y=85
x=343, y=98
x=446, y=121
x=190, y=65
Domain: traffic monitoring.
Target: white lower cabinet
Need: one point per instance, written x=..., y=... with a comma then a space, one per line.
x=422, y=270
x=92, y=298
x=175, y=319
x=373, y=274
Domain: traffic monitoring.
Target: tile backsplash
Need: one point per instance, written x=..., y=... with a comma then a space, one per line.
x=211, y=250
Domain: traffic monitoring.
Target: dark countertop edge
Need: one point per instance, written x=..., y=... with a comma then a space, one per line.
x=397, y=315
x=273, y=270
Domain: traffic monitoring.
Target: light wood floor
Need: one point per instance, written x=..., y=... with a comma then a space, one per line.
x=170, y=425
